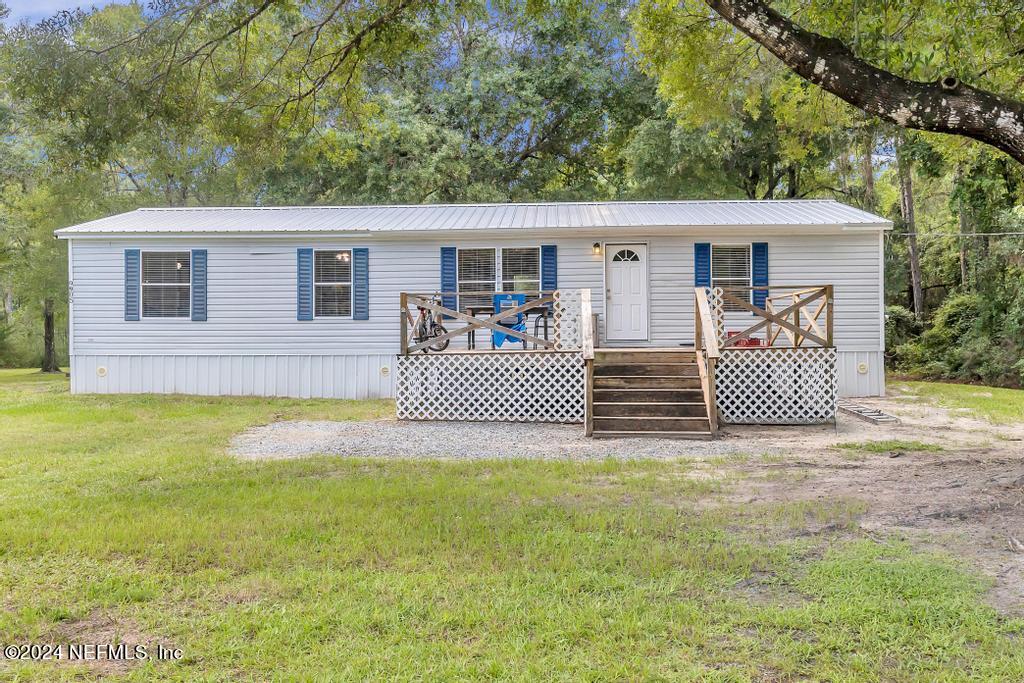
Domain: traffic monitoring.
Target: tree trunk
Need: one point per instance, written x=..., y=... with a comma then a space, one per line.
x=49, y=353
x=907, y=207
x=943, y=106
x=867, y=170
x=964, y=277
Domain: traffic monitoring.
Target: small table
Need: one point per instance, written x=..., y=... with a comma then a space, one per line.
x=474, y=311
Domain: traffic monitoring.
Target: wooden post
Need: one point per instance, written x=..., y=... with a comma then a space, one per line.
x=712, y=399
x=586, y=325
x=49, y=353
x=698, y=329
x=587, y=350
x=828, y=315
x=404, y=323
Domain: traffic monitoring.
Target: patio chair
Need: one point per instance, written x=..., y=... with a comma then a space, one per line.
x=515, y=322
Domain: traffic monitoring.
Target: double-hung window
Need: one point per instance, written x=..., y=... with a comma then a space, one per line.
x=166, y=284
x=476, y=274
x=332, y=283
x=730, y=270
x=483, y=271
x=520, y=269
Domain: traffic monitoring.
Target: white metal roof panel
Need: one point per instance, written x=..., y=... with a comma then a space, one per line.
x=444, y=217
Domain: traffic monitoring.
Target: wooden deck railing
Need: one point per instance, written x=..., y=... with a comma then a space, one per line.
x=431, y=303
x=705, y=344
x=788, y=311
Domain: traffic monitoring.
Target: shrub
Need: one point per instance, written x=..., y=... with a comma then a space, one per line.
x=900, y=326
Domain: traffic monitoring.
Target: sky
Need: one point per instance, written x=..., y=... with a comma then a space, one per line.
x=34, y=10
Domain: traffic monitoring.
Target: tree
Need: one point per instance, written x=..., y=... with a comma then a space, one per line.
x=946, y=105
x=905, y=173
x=933, y=65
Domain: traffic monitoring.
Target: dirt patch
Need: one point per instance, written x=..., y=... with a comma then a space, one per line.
x=101, y=636
x=969, y=503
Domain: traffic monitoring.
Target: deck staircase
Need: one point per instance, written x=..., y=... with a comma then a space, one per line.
x=648, y=393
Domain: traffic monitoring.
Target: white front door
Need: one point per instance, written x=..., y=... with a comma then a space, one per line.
x=626, y=275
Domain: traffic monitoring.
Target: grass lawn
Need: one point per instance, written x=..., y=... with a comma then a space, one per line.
x=992, y=403
x=126, y=511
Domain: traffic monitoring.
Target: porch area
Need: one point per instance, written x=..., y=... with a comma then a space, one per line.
x=779, y=370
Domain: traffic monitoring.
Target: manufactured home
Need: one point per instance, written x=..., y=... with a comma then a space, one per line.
x=315, y=301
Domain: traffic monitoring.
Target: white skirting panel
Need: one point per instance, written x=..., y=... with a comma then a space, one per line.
x=317, y=376
x=861, y=373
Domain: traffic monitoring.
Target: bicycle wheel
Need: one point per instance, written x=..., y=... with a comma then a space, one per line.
x=437, y=332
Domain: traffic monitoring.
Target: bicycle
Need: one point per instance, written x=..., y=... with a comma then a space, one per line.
x=428, y=326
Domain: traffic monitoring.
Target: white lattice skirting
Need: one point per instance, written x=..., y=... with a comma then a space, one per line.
x=541, y=386
x=776, y=386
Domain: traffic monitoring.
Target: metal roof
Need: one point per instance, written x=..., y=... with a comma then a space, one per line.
x=441, y=217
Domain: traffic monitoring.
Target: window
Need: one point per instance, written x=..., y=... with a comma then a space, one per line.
x=166, y=284
x=520, y=269
x=332, y=283
x=730, y=270
x=476, y=274
x=626, y=255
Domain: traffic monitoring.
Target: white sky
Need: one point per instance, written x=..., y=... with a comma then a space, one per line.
x=34, y=10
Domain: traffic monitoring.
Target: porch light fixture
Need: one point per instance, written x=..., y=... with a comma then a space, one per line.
x=597, y=248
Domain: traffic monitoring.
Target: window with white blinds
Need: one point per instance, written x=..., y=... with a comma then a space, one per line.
x=166, y=284
x=476, y=274
x=332, y=283
x=520, y=269
x=730, y=270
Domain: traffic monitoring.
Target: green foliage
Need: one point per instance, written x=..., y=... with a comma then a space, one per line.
x=900, y=326
x=109, y=109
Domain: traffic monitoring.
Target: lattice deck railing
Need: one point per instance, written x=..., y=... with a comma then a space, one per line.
x=776, y=385
x=543, y=385
x=523, y=386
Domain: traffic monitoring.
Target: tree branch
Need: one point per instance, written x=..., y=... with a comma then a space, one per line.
x=946, y=106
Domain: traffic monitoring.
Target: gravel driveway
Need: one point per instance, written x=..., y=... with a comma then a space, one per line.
x=461, y=440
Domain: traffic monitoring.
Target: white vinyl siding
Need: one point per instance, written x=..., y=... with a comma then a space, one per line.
x=730, y=270
x=166, y=284
x=332, y=283
x=252, y=324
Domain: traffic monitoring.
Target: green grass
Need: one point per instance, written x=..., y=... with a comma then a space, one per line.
x=324, y=568
x=889, y=445
x=1002, y=406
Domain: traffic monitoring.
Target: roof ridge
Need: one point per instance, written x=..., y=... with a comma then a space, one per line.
x=637, y=202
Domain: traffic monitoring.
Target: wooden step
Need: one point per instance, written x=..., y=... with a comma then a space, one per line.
x=642, y=382
x=645, y=370
x=641, y=409
x=648, y=395
x=651, y=424
x=635, y=356
x=691, y=436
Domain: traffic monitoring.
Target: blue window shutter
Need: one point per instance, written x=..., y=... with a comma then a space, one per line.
x=361, y=284
x=702, y=264
x=759, y=271
x=304, y=285
x=449, y=276
x=548, y=267
x=132, y=268
x=199, y=284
